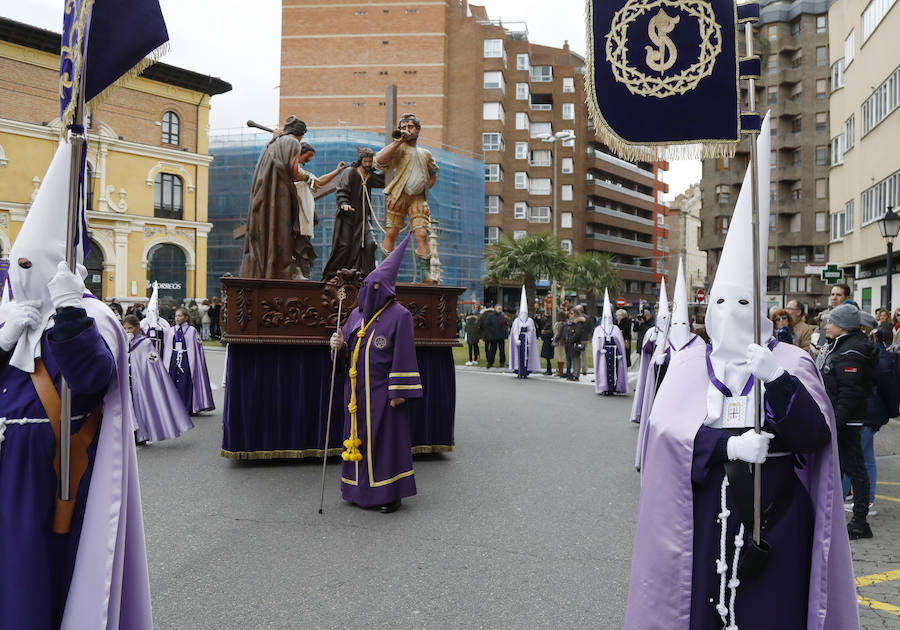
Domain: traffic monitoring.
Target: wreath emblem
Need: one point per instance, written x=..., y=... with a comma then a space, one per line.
x=380, y=342
x=663, y=86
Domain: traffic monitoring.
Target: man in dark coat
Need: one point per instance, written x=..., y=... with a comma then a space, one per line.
x=642, y=324
x=496, y=329
x=473, y=335
x=273, y=217
x=352, y=243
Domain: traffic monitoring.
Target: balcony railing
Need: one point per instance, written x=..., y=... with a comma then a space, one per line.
x=619, y=240
x=606, y=157
x=628, y=267
x=619, y=214
x=618, y=188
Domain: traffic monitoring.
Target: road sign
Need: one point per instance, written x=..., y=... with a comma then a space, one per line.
x=620, y=302
x=832, y=275
x=701, y=295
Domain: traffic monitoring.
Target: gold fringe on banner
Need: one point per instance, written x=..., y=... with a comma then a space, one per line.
x=641, y=151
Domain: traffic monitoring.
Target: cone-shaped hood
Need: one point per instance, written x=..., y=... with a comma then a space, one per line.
x=729, y=317
x=662, y=314
x=5, y=299
x=380, y=285
x=523, y=306
x=152, y=312
x=606, y=318
x=680, y=326
x=38, y=249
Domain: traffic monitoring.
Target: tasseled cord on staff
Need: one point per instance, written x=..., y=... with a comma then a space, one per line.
x=353, y=443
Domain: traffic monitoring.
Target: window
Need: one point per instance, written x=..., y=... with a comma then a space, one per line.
x=491, y=235
x=541, y=102
x=821, y=22
x=541, y=74
x=565, y=219
x=821, y=55
x=541, y=129
x=540, y=158
x=820, y=222
x=539, y=214
x=493, y=111
x=89, y=186
x=539, y=186
x=520, y=180
x=798, y=284
x=523, y=62
x=849, y=48
x=837, y=150
x=661, y=220
x=797, y=59
x=723, y=164
x=773, y=194
x=722, y=225
x=796, y=124
x=772, y=32
x=821, y=188
x=797, y=155
x=568, y=111
x=571, y=141
x=493, y=48
x=883, y=101
x=494, y=81
x=772, y=223
x=493, y=173
x=837, y=226
x=796, y=91
x=795, y=27
x=493, y=204
x=848, y=216
x=517, y=234
x=520, y=210
x=876, y=199
x=773, y=95
x=837, y=74
x=567, y=193
x=723, y=193
x=167, y=196
x=797, y=191
x=568, y=165
x=522, y=120
x=873, y=15
x=772, y=66
x=770, y=255
x=796, y=222
x=492, y=142
x=822, y=121
x=819, y=253
x=522, y=91
x=568, y=85
x=566, y=246
x=798, y=254
x=849, y=132
x=521, y=150
x=821, y=88
x=821, y=155
x=170, y=128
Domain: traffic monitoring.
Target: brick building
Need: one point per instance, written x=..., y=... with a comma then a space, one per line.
x=482, y=89
x=793, y=43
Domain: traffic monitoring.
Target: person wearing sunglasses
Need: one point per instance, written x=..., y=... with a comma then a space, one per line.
x=782, y=323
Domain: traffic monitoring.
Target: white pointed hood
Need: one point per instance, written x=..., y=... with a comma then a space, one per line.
x=606, y=319
x=680, y=326
x=729, y=317
x=151, y=314
x=523, y=306
x=662, y=319
x=5, y=299
x=42, y=243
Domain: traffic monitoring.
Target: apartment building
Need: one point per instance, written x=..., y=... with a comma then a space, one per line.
x=684, y=241
x=792, y=38
x=482, y=89
x=865, y=126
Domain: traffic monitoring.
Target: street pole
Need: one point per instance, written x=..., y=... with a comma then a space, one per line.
x=783, y=292
x=890, y=264
x=553, y=218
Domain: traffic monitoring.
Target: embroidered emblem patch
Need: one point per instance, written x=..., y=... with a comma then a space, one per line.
x=380, y=342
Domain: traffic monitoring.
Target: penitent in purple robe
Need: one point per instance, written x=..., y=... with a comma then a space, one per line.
x=183, y=354
x=158, y=411
x=522, y=336
x=610, y=367
x=807, y=581
x=638, y=413
x=96, y=575
x=387, y=369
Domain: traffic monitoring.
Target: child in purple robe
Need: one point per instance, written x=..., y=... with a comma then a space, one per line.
x=158, y=411
x=524, y=357
x=610, y=366
x=183, y=354
x=381, y=351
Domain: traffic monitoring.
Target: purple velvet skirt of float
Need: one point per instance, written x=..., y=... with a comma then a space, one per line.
x=276, y=402
x=158, y=410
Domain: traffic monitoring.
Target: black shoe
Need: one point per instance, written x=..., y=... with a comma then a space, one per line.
x=857, y=530
x=387, y=508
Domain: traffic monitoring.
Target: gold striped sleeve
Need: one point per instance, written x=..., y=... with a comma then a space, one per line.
x=390, y=387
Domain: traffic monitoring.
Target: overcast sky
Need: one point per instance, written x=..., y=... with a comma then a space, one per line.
x=238, y=41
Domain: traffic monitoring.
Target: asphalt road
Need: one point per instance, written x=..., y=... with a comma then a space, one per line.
x=527, y=524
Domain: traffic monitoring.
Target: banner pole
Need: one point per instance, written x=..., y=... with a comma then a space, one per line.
x=757, y=299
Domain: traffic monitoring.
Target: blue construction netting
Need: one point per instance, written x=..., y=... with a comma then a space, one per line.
x=456, y=202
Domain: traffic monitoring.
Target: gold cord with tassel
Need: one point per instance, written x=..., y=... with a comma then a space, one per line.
x=353, y=443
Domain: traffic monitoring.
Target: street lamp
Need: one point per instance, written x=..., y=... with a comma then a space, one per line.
x=784, y=270
x=553, y=139
x=889, y=225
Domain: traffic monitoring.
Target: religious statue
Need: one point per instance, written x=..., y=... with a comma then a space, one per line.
x=414, y=172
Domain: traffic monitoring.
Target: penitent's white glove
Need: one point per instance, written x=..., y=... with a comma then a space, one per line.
x=660, y=358
x=20, y=317
x=650, y=335
x=749, y=447
x=763, y=364
x=518, y=342
x=337, y=341
x=66, y=288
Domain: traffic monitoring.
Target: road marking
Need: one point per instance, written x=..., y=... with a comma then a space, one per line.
x=890, y=483
x=877, y=578
x=881, y=496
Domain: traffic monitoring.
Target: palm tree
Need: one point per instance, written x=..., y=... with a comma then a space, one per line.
x=525, y=260
x=592, y=272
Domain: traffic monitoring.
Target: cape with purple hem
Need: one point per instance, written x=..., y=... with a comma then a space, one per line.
x=201, y=398
x=532, y=354
x=602, y=375
x=158, y=411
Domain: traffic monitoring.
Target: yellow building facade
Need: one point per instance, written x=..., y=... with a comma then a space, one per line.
x=148, y=165
x=864, y=180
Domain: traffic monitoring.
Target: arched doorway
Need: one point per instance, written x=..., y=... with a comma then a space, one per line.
x=168, y=266
x=94, y=265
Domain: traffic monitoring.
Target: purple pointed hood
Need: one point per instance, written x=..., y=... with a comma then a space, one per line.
x=379, y=285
